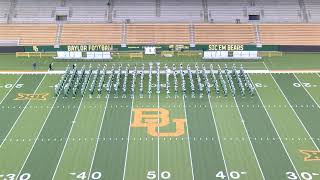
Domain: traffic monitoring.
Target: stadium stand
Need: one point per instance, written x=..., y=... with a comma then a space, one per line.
x=158, y=34
x=290, y=34
x=87, y=11
x=188, y=11
x=4, y=10
x=33, y=11
x=313, y=10
x=224, y=33
x=227, y=11
x=279, y=11
x=91, y=34
x=29, y=34
x=135, y=11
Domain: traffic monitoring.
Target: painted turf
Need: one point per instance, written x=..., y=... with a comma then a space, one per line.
x=61, y=147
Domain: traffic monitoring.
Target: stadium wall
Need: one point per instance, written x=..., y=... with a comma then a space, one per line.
x=140, y=48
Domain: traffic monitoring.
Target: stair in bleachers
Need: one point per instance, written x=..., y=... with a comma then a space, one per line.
x=205, y=10
x=158, y=8
x=303, y=10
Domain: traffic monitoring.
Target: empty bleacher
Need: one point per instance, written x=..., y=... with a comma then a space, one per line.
x=4, y=10
x=78, y=34
x=290, y=34
x=158, y=34
x=313, y=10
x=165, y=11
x=224, y=34
x=227, y=11
x=181, y=11
x=280, y=10
x=29, y=34
x=136, y=11
x=87, y=11
x=34, y=11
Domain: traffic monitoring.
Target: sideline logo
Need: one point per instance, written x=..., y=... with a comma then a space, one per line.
x=311, y=155
x=149, y=117
x=37, y=97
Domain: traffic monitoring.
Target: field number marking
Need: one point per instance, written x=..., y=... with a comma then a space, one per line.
x=304, y=175
x=9, y=86
x=163, y=175
x=25, y=176
x=306, y=84
x=84, y=175
x=232, y=174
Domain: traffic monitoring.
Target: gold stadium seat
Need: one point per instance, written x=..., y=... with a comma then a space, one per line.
x=158, y=34
x=29, y=34
x=290, y=34
x=78, y=34
x=224, y=34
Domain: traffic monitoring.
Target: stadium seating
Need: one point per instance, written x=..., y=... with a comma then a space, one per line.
x=136, y=11
x=227, y=11
x=29, y=34
x=158, y=34
x=33, y=11
x=279, y=10
x=313, y=10
x=224, y=34
x=181, y=11
x=87, y=11
x=290, y=34
x=4, y=10
x=187, y=11
x=91, y=34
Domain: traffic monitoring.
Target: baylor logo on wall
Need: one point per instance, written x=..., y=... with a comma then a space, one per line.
x=152, y=118
x=311, y=155
x=38, y=97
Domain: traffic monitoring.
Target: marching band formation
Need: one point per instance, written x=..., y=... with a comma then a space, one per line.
x=117, y=79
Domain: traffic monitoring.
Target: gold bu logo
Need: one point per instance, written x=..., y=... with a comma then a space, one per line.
x=152, y=118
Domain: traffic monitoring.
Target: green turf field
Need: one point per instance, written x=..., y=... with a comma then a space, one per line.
x=273, y=135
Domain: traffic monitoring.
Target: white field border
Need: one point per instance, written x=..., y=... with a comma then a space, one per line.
x=300, y=71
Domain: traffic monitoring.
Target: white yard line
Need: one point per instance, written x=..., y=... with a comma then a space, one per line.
x=128, y=140
x=25, y=161
x=221, y=149
x=274, y=127
x=67, y=140
x=158, y=137
x=11, y=89
x=257, y=71
x=97, y=142
x=254, y=152
x=18, y=118
x=190, y=153
x=294, y=112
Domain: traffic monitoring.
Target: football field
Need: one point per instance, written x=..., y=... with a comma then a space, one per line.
x=272, y=135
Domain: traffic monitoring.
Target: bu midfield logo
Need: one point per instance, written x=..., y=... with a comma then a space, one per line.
x=152, y=118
